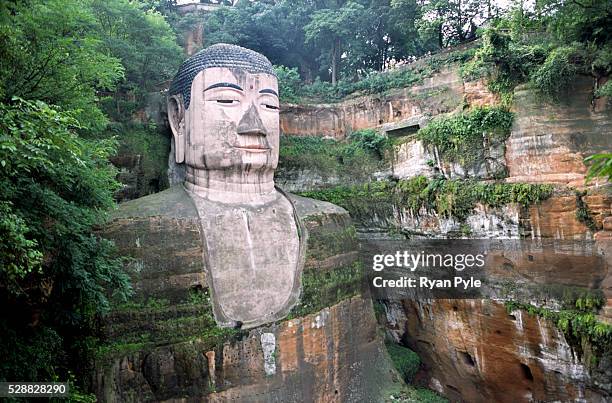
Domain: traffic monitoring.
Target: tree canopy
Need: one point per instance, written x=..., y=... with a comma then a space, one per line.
x=64, y=66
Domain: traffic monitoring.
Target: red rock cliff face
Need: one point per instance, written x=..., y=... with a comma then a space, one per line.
x=550, y=140
x=441, y=93
x=313, y=358
x=475, y=351
x=334, y=355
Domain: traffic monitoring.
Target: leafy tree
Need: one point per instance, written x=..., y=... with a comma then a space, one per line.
x=331, y=27
x=58, y=58
x=55, y=187
x=288, y=83
x=404, y=17
x=246, y=24
x=50, y=51
x=275, y=30
x=586, y=21
x=144, y=43
x=449, y=22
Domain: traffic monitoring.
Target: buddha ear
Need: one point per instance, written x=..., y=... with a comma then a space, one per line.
x=176, y=117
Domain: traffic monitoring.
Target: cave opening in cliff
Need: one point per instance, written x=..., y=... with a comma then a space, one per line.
x=467, y=358
x=527, y=372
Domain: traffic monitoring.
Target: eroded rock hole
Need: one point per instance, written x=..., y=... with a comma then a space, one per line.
x=527, y=372
x=467, y=358
x=451, y=387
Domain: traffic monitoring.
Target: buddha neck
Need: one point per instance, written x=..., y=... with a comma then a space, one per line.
x=229, y=187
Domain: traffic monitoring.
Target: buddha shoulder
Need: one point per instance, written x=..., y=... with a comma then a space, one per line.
x=176, y=203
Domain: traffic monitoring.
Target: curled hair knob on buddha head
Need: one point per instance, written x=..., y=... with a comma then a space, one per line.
x=219, y=55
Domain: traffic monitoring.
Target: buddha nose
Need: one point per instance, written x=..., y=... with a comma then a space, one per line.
x=251, y=123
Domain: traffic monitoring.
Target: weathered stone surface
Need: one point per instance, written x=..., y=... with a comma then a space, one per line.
x=254, y=256
x=438, y=94
x=193, y=39
x=170, y=352
x=474, y=351
x=130, y=175
x=550, y=140
x=333, y=355
x=478, y=94
x=557, y=216
x=411, y=159
x=162, y=235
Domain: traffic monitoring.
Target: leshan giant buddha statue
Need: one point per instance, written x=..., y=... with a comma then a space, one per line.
x=227, y=229
x=223, y=110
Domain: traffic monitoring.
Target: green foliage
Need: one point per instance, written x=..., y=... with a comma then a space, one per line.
x=411, y=394
x=571, y=21
x=190, y=320
x=146, y=45
x=350, y=160
x=19, y=255
x=333, y=28
x=370, y=140
x=549, y=48
x=605, y=90
x=288, y=83
x=583, y=214
x=324, y=243
x=341, y=41
x=448, y=198
x=406, y=361
x=326, y=288
x=557, y=72
x=56, y=183
x=451, y=22
x=76, y=394
x=54, y=188
x=71, y=52
x=30, y=355
x=460, y=138
x=601, y=166
x=362, y=201
x=375, y=82
x=503, y=61
x=580, y=326
x=153, y=147
x=51, y=52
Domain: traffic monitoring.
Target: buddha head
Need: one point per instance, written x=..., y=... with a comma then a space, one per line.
x=223, y=110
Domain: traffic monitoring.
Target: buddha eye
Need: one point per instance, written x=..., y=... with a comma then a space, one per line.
x=270, y=106
x=227, y=101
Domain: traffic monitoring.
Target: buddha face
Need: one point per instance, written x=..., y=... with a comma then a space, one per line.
x=231, y=125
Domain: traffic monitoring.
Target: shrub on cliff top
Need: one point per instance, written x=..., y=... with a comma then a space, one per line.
x=580, y=326
x=558, y=71
x=288, y=83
